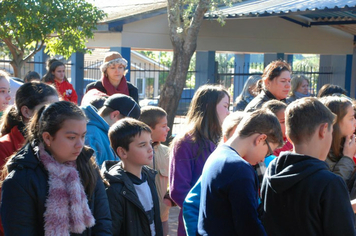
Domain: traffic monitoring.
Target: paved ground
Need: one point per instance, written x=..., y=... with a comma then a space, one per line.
x=173, y=221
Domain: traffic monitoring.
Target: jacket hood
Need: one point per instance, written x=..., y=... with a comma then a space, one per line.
x=94, y=118
x=289, y=169
x=25, y=158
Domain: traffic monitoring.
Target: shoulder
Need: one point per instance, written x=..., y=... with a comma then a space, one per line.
x=97, y=85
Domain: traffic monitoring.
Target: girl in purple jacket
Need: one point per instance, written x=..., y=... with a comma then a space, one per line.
x=190, y=150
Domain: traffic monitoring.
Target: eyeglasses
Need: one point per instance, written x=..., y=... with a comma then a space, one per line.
x=270, y=152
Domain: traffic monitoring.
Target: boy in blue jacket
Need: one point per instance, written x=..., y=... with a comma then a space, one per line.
x=301, y=196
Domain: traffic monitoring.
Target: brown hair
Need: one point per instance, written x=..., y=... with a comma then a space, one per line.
x=261, y=121
x=304, y=116
x=123, y=132
x=50, y=119
x=274, y=106
x=150, y=115
x=49, y=77
x=274, y=69
x=29, y=95
x=338, y=105
x=330, y=89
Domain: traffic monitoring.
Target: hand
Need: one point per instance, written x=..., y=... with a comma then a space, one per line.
x=167, y=202
x=353, y=204
x=349, y=146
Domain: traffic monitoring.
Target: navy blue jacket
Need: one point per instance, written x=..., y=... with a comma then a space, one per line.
x=24, y=194
x=301, y=196
x=229, y=196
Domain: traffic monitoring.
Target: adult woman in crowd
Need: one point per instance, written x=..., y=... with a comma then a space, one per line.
x=275, y=84
x=190, y=150
x=4, y=91
x=56, y=76
x=247, y=93
x=54, y=186
x=113, y=80
x=29, y=98
x=300, y=88
x=343, y=146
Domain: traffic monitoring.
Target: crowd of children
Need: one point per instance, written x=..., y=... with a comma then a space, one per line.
x=283, y=166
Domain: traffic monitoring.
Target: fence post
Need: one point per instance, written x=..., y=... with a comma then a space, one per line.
x=205, y=68
x=77, y=74
x=40, y=59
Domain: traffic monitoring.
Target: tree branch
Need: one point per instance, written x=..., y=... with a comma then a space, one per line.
x=34, y=51
x=193, y=29
x=13, y=49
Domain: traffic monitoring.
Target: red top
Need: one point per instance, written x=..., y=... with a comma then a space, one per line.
x=9, y=144
x=286, y=147
x=66, y=91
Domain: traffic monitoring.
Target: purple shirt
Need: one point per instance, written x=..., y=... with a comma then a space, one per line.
x=187, y=160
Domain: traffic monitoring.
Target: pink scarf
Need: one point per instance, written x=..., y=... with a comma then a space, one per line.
x=110, y=89
x=67, y=209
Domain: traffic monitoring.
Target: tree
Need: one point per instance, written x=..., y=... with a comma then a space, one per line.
x=63, y=26
x=184, y=20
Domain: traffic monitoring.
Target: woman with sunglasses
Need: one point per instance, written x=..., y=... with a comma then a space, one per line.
x=275, y=81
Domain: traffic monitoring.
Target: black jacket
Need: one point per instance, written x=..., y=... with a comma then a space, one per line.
x=24, y=194
x=133, y=91
x=128, y=215
x=259, y=100
x=301, y=196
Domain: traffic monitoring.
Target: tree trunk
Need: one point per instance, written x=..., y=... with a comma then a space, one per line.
x=17, y=66
x=175, y=83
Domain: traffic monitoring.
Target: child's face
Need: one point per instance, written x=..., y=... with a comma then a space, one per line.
x=59, y=73
x=140, y=150
x=160, y=131
x=115, y=72
x=282, y=121
x=4, y=94
x=261, y=150
x=348, y=123
x=222, y=108
x=68, y=142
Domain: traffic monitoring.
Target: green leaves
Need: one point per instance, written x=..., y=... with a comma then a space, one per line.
x=63, y=25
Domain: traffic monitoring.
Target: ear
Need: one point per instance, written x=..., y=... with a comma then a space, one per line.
x=260, y=138
x=323, y=129
x=266, y=82
x=47, y=138
x=115, y=116
x=26, y=112
x=121, y=152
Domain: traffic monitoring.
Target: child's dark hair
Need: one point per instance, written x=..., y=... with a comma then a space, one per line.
x=51, y=119
x=31, y=75
x=261, y=121
x=29, y=95
x=330, y=89
x=274, y=106
x=49, y=77
x=151, y=115
x=304, y=116
x=338, y=106
x=122, y=133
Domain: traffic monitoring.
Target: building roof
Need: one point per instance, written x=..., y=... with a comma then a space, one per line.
x=340, y=14
x=120, y=9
